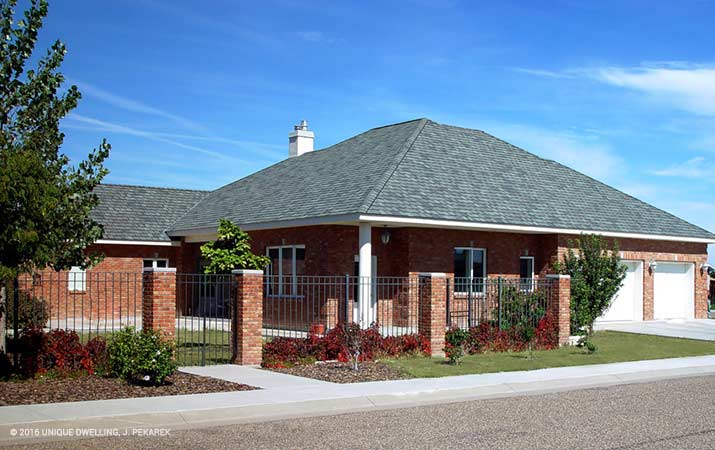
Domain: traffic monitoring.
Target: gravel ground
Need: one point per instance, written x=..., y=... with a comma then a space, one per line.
x=97, y=388
x=338, y=372
x=673, y=414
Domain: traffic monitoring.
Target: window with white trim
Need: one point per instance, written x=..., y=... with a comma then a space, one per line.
x=526, y=272
x=470, y=269
x=155, y=262
x=77, y=279
x=287, y=263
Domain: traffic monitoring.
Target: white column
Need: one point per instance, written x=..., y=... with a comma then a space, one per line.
x=365, y=272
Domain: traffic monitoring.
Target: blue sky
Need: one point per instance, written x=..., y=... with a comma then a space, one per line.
x=197, y=94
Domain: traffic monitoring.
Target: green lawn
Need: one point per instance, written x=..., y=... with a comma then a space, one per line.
x=192, y=347
x=612, y=347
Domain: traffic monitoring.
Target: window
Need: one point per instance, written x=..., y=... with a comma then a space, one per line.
x=156, y=262
x=77, y=279
x=470, y=269
x=287, y=263
x=526, y=272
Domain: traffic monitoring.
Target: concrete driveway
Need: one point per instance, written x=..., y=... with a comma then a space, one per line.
x=700, y=329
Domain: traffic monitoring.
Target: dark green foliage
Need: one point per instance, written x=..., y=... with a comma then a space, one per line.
x=231, y=250
x=45, y=202
x=455, y=339
x=596, y=276
x=520, y=309
x=142, y=357
x=33, y=312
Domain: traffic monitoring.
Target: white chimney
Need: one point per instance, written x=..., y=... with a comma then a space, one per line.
x=300, y=140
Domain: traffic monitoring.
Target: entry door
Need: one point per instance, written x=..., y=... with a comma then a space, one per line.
x=673, y=291
x=627, y=305
x=373, y=290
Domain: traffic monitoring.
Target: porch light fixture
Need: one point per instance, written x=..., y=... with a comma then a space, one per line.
x=652, y=264
x=385, y=236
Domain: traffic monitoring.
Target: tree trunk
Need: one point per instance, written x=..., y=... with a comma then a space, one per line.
x=3, y=308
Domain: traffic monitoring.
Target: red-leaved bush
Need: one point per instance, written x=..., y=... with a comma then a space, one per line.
x=58, y=350
x=487, y=337
x=285, y=352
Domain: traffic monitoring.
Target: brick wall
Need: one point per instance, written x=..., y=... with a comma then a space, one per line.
x=159, y=300
x=659, y=251
x=113, y=291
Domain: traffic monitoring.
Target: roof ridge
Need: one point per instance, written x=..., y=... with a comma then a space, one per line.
x=154, y=187
x=374, y=193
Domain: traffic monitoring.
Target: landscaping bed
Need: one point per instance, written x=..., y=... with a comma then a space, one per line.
x=92, y=387
x=340, y=372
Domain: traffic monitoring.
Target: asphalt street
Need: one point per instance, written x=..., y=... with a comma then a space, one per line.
x=672, y=414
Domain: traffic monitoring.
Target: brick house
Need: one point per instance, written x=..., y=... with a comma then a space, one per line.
x=415, y=197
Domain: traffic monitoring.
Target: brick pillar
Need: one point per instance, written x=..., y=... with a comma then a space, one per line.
x=247, y=320
x=560, y=304
x=433, y=310
x=159, y=299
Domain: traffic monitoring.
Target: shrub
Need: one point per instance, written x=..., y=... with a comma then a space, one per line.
x=145, y=357
x=97, y=349
x=59, y=350
x=33, y=312
x=520, y=309
x=455, y=339
x=487, y=337
x=285, y=352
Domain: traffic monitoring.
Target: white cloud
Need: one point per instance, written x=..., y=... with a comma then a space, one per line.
x=692, y=168
x=135, y=106
x=691, y=89
x=583, y=152
x=157, y=137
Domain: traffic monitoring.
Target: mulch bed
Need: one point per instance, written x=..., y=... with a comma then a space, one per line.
x=90, y=387
x=337, y=372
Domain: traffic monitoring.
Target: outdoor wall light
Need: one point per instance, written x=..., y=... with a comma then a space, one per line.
x=385, y=237
x=652, y=264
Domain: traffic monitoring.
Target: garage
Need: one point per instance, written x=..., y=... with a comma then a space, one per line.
x=673, y=291
x=627, y=305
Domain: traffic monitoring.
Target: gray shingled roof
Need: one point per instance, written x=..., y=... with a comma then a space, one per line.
x=422, y=169
x=140, y=213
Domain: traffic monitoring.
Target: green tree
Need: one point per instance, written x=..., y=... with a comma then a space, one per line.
x=596, y=276
x=231, y=250
x=45, y=202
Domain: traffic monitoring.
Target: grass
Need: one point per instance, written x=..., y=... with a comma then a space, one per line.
x=192, y=347
x=612, y=347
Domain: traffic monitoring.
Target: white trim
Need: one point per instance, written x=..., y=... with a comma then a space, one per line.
x=247, y=272
x=344, y=219
x=208, y=233
x=294, y=275
x=558, y=276
x=432, y=274
x=532, y=265
x=153, y=243
x=160, y=269
x=434, y=223
x=154, y=261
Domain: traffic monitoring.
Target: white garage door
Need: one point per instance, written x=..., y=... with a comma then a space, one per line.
x=628, y=303
x=673, y=291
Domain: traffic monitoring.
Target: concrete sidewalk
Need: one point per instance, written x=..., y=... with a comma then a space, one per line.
x=283, y=399
x=700, y=329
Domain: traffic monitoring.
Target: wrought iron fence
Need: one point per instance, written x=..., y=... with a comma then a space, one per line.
x=294, y=306
x=503, y=302
x=204, y=304
x=89, y=303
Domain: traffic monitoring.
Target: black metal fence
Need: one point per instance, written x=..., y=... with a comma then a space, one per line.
x=294, y=306
x=204, y=304
x=89, y=303
x=503, y=302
